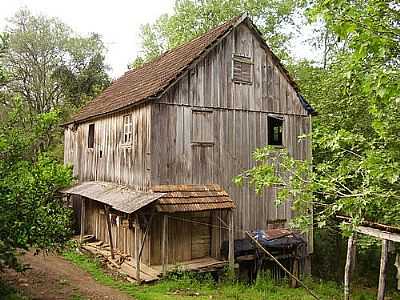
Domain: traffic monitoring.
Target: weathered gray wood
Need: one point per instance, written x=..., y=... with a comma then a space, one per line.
x=231, y=251
x=137, y=248
x=348, y=266
x=383, y=235
x=83, y=218
x=383, y=270
x=164, y=237
x=108, y=216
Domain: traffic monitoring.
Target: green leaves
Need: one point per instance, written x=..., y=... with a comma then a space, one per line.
x=32, y=216
x=193, y=18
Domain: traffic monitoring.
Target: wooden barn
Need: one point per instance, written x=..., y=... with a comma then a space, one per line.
x=156, y=152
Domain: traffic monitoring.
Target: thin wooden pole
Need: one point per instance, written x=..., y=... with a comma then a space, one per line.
x=231, y=251
x=348, y=266
x=164, y=254
x=383, y=269
x=137, y=245
x=282, y=266
x=83, y=218
x=107, y=211
x=145, y=235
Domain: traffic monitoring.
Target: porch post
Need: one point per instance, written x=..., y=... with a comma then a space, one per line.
x=107, y=211
x=164, y=253
x=383, y=269
x=137, y=245
x=231, y=253
x=348, y=268
x=83, y=218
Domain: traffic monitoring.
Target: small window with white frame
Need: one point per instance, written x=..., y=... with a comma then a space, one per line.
x=128, y=130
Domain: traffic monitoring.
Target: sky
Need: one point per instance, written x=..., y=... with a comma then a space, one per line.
x=117, y=21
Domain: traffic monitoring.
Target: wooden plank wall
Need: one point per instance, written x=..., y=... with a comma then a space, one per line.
x=239, y=126
x=123, y=236
x=189, y=236
x=111, y=160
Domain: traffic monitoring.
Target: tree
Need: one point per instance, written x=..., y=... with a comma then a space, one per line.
x=49, y=66
x=356, y=136
x=32, y=216
x=192, y=18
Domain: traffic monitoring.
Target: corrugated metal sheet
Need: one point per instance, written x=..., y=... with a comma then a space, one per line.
x=119, y=197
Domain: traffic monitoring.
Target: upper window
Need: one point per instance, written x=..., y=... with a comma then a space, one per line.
x=275, y=130
x=202, y=127
x=242, y=69
x=128, y=129
x=91, y=136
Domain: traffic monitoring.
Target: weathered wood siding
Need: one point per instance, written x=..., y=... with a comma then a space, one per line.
x=239, y=126
x=189, y=236
x=110, y=159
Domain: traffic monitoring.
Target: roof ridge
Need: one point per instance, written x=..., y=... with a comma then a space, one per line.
x=155, y=59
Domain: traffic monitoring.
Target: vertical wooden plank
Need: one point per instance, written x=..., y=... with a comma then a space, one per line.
x=107, y=214
x=164, y=253
x=231, y=251
x=83, y=218
x=137, y=247
x=383, y=270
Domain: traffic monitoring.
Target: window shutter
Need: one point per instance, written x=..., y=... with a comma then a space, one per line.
x=202, y=127
x=242, y=69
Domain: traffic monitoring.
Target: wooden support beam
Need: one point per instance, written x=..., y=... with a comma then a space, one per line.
x=148, y=226
x=231, y=241
x=164, y=251
x=383, y=270
x=380, y=234
x=137, y=245
x=83, y=218
x=108, y=216
x=348, y=267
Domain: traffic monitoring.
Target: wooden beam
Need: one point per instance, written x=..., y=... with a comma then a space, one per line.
x=348, y=266
x=83, y=218
x=137, y=245
x=383, y=269
x=108, y=216
x=231, y=241
x=164, y=252
x=383, y=235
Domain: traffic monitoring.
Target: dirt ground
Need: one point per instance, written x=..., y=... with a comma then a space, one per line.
x=52, y=278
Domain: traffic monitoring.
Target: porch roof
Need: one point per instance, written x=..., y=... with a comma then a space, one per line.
x=119, y=197
x=166, y=198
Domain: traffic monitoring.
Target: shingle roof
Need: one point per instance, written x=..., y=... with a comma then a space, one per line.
x=191, y=197
x=146, y=81
x=153, y=77
x=167, y=198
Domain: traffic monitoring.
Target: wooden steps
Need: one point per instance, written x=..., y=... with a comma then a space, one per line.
x=123, y=264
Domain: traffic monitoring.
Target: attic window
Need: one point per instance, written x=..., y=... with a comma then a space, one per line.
x=275, y=130
x=242, y=69
x=91, y=136
x=202, y=127
x=128, y=128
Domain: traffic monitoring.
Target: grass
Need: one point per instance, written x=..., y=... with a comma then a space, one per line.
x=186, y=286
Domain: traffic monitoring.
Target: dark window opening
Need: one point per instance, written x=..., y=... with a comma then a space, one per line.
x=91, y=136
x=275, y=131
